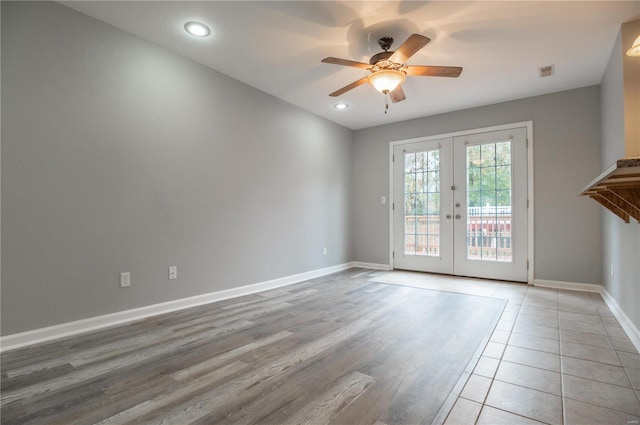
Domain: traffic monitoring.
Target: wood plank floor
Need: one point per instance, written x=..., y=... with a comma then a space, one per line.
x=339, y=349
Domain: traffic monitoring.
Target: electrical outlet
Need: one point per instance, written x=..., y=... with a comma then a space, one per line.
x=613, y=272
x=125, y=279
x=173, y=272
x=324, y=251
x=383, y=200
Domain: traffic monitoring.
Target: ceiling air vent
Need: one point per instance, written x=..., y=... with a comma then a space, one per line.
x=546, y=71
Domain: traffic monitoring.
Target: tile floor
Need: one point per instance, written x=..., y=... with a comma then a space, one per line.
x=556, y=357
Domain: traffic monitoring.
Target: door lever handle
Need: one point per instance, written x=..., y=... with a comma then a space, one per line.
x=448, y=216
x=458, y=216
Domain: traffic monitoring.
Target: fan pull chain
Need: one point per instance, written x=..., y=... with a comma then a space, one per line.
x=386, y=101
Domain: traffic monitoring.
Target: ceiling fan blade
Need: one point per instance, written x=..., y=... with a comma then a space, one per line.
x=349, y=87
x=397, y=95
x=346, y=62
x=434, y=71
x=414, y=43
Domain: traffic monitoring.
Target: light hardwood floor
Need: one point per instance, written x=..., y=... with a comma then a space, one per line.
x=340, y=349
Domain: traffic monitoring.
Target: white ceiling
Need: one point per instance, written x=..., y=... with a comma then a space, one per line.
x=277, y=47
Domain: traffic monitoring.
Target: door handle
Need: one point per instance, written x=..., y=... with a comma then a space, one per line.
x=458, y=216
x=448, y=216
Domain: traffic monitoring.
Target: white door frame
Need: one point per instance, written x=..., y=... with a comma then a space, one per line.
x=530, y=230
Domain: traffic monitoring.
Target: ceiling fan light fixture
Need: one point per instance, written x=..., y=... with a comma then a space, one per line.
x=341, y=106
x=197, y=29
x=635, y=49
x=386, y=80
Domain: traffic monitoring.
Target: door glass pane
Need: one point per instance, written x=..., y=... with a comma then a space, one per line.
x=489, y=182
x=422, y=203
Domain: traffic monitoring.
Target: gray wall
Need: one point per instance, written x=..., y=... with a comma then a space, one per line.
x=118, y=155
x=621, y=241
x=566, y=130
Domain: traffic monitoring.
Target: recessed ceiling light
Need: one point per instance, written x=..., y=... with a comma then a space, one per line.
x=340, y=106
x=197, y=29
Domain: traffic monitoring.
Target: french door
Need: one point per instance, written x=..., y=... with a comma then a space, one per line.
x=460, y=205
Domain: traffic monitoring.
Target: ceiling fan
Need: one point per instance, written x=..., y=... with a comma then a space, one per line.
x=388, y=70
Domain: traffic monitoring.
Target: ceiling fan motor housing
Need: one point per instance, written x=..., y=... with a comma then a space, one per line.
x=385, y=43
x=382, y=56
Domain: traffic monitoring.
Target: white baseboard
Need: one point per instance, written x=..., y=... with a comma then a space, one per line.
x=630, y=329
x=373, y=266
x=569, y=286
x=632, y=332
x=22, y=339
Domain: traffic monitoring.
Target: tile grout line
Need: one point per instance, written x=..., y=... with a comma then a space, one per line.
x=557, y=309
x=493, y=379
x=637, y=393
x=594, y=361
x=471, y=374
x=493, y=295
x=558, y=313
